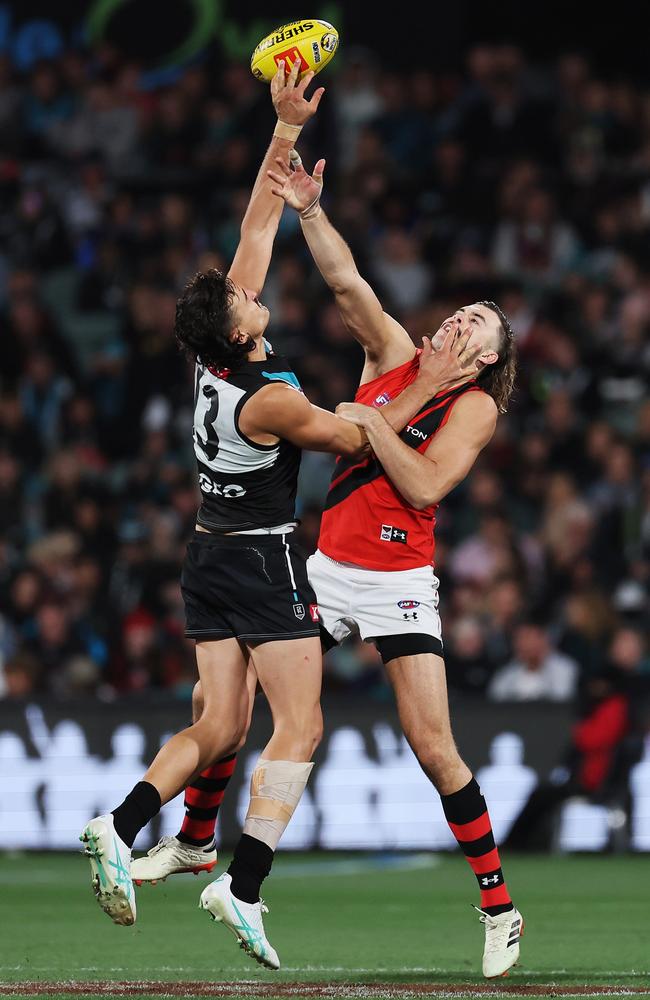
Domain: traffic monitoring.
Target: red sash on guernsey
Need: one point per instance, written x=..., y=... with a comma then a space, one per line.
x=366, y=521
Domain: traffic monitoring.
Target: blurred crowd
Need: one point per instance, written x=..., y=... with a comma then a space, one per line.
x=521, y=183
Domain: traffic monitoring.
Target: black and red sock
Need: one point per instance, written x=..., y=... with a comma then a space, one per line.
x=202, y=801
x=469, y=821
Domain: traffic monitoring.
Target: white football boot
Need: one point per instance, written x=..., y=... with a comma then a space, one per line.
x=172, y=857
x=110, y=867
x=502, y=935
x=244, y=920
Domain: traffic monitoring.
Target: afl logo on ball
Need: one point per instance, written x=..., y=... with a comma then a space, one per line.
x=407, y=605
x=329, y=42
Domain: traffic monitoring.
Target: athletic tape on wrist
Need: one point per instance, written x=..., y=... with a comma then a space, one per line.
x=283, y=130
x=312, y=211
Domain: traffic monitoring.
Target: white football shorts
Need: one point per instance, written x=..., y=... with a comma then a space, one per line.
x=369, y=603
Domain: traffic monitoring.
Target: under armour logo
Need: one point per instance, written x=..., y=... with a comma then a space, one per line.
x=389, y=533
x=413, y=616
x=490, y=880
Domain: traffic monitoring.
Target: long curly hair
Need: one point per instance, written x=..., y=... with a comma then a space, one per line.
x=498, y=379
x=204, y=321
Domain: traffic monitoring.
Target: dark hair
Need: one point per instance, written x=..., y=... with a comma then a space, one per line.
x=204, y=321
x=498, y=379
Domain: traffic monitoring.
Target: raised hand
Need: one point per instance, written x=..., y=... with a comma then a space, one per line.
x=288, y=95
x=299, y=189
x=453, y=362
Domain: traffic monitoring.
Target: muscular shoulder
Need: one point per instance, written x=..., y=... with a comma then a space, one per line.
x=272, y=410
x=476, y=409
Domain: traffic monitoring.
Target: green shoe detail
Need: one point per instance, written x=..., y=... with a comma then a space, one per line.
x=254, y=937
x=123, y=876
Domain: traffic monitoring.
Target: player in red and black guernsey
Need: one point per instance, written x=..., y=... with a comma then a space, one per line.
x=373, y=571
x=248, y=601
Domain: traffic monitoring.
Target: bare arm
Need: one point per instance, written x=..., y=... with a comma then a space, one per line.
x=260, y=223
x=425, y=479
x=385, y=341
x=278, y=411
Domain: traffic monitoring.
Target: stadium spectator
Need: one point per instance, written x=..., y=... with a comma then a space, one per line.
x=537, y=671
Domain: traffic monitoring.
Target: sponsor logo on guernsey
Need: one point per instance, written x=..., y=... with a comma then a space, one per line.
x=382, y=399
x=229, y=491
x=313, y=613
x=299, y=611
x=416, y=432
x=408, y=605
x=390, y=534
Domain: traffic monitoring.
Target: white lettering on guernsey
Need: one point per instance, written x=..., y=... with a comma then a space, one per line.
x=228, y=491
x=416, y=432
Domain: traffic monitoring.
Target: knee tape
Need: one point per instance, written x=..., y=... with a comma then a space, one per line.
x=276, y=790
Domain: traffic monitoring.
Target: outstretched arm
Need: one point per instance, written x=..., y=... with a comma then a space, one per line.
x=385, y=341
x=260, y=223
x=283, y=412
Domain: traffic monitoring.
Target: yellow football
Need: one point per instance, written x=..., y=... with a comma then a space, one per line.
x=311, y=41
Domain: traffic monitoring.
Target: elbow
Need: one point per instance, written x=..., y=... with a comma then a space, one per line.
x=422, y=500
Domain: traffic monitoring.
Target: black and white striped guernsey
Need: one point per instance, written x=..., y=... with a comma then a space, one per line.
x=243, y=485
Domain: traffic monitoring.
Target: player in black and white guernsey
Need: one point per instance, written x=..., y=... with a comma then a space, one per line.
x=249, y=604
x=244, y=484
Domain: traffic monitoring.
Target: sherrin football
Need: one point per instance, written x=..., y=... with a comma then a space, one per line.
x=311, y=41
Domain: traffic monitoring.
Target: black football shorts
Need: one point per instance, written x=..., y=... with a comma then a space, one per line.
x=250, y=587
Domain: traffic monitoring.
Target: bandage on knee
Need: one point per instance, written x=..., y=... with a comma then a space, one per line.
x=276, y=790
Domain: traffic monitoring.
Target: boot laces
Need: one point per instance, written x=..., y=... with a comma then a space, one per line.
x=162, y=843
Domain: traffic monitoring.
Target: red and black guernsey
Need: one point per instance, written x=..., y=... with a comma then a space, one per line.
x=366, y=520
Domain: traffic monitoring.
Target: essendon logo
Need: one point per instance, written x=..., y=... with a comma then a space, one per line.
x=290, y=56
x=313, y=612
x=390, y=534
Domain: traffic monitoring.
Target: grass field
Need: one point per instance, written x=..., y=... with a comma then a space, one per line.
x=345, y=927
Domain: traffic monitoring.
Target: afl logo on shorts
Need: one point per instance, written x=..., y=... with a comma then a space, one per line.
x=408, y=605
x=382, y=399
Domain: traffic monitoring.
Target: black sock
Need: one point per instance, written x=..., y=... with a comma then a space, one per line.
x=140, y=806
x=249, y=867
